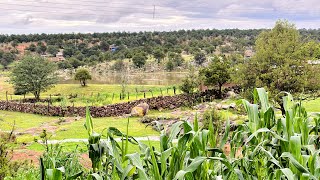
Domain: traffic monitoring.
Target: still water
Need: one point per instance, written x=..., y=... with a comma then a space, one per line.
x=150, y=78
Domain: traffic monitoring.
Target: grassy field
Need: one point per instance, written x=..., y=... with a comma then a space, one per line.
x=82, y=147
x=312, y=105
x=22, y=121
x=93, y=94
x=30, y=126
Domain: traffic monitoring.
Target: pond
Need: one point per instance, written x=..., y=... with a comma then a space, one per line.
x=149, y=78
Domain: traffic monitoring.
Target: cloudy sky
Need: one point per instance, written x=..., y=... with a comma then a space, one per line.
x=62, y=16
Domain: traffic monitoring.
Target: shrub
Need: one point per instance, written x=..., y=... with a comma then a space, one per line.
x=214, y=116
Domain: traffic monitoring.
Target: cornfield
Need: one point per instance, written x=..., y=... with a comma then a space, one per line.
x=267, y=146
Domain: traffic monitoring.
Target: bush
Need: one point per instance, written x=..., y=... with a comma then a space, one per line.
x=215, y=116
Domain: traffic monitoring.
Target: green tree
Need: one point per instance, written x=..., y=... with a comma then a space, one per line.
x=190, y=82
x=278, y=63
x=14, y=43
x=169, y=65
x=32, y=47
x=82, y=75
x=217, y=73
x=6, y=58
x=199, y=58
x=139, y=60
x=118, y=65
x=33, y=74
x=53, y=50
x=158, y=54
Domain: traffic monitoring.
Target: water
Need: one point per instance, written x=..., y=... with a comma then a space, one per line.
x=150, y=78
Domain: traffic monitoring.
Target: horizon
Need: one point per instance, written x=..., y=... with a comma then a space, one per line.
x=97, y=16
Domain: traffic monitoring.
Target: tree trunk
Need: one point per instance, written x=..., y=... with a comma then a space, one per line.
x=220, y=91
x=36, y=95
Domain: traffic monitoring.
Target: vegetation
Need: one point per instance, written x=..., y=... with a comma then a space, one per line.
x=217, y=73
x=190, y=83
x=82, y=75
x=278, y=63
x=33, y=75
x=264, y=147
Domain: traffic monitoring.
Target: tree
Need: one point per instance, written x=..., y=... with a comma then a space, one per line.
x=118, y=65
x=199, y=58
x=190, y=83
x=41, y=48
x=278, y=63
x=33, y=74
x=217, y=73
x=158, y=54
x=14, y=43
x=139, y=60
x=32, y=47
x=82, y=75
x=6, y=58
x=53, y=50
x=169, y=65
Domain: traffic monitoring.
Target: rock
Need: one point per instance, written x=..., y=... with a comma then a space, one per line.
x=225, y=107
x=231, y=94
x=140, y=110
x=218, y=106
x=232, y=105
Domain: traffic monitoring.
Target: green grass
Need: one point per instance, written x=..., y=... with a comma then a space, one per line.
x=312, y=105
x=22, y=120
x=82, y=147
x=77, y=130
x=93, y=94
x=74, y=129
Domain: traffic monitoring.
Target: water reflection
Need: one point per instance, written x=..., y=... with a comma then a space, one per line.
x=155, y=78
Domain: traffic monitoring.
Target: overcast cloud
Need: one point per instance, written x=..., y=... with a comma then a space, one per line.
x=62, y=16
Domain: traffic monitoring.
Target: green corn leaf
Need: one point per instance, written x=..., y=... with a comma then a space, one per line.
x=263, y=97
x=191, y=168
x=163, y=158
x=96, y=176
x=265, y=130
x=136, y=161
x=226, y=134
x=128, y=171
x=288, y=173
x=195, y=123
x=88, y=125
x=295, y=162
x=75, y=176
x=155, y=167
x=175, y=129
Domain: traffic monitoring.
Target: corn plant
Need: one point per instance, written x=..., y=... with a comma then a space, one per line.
x=269, y=145
x=277, y=148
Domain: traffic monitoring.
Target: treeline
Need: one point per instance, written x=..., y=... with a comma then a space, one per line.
x=87, y=49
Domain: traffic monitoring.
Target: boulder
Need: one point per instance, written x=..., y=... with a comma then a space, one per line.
x=140, y=110
x=231, y=94
x=225, y=107
x=233, y=105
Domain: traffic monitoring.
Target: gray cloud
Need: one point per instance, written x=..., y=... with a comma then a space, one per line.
x=56, y=16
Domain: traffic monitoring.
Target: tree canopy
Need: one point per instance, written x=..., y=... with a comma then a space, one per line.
x=278, y=63
x=82, y=75
x=33, y=74
x=217, y=73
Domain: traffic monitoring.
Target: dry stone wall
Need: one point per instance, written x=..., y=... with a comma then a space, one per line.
x=161, y=102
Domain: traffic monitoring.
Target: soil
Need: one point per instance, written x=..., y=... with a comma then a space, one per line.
x=26, y=155
x=50, y=127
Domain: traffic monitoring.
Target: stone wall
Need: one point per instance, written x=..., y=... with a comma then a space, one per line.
x=161, y=102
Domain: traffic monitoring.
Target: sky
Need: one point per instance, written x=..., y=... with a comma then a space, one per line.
x=88, y=16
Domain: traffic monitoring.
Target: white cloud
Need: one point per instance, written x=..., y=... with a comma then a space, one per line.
x=56, y=16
